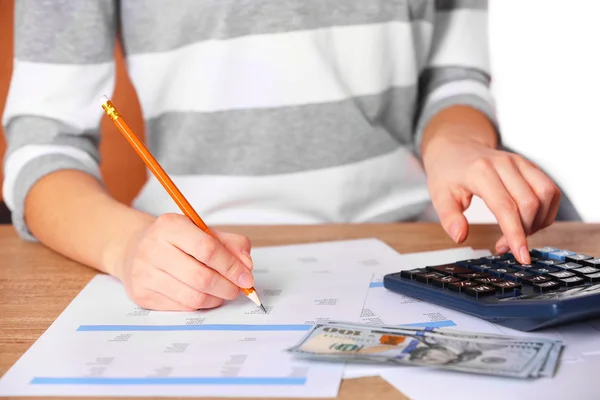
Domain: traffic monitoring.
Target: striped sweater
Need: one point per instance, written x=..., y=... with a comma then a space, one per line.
x=262, y=111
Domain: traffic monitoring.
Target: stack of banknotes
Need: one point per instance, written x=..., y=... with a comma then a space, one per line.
x=477, y=353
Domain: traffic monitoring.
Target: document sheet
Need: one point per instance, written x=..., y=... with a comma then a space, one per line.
x=103, y=344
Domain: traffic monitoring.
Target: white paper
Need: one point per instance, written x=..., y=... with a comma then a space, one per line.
x=573, y=381
x=103, y=344
x=344, y=255
x=581, y=339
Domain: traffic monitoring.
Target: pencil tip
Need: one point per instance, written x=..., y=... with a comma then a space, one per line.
x=263, y=308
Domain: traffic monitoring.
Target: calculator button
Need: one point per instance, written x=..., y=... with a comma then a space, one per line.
x=461, y=286
x=547, y=286
x=561, y=274
x=592, y=277
x=469, y=263
x=473, y=275
x=482, y=267
x=530, y=280
x=586, y=270
x=592, y=262
x=573, y=281
x=510, y=254
x=494, y=258
x=480, y=291
x=546, y=263
x=577, y=258
x=449, y=269
x=517, y=276
x=501, y=271
x=488, y=280
x=507, y=264
x=522, y=267
x=506, y=286
x=539, y=270
x=410, y=274
x=424, y=278
x=560, y=255
x=543, y=251
x=443, y=281
x=569, y=266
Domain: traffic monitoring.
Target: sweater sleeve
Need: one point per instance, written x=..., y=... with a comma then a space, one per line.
x=63, y=62
x=457, y=70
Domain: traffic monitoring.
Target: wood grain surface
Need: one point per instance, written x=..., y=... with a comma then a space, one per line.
x=37, y=284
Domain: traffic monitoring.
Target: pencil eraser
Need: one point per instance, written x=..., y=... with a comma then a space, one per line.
x=103, y=100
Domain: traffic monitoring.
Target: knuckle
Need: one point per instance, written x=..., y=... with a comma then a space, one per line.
x=231, y=293
x=549, y=190
x=205, y=280
x=529, y=204
x=233, y=266
x=196, y=299
x=218, y=302
x=504, y=158
x=138, y=294
x=207, y=251
x=482, y=165
x=164, y=223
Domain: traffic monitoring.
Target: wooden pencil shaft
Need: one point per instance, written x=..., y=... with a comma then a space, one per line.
x=159, y=172
x=161, y=175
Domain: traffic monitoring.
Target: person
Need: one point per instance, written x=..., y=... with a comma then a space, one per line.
x=263, y=112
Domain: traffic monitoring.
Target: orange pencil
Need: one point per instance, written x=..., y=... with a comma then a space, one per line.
x=164, y=179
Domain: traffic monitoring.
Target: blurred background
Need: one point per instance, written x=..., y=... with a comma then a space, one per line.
x=545, y=79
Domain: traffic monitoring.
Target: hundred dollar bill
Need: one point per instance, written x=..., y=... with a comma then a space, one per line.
x=548, y=356
x=459, y=351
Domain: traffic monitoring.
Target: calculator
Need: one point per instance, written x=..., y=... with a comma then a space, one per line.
x=558, y=287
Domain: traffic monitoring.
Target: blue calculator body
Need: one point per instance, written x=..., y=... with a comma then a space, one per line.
x=558, y=287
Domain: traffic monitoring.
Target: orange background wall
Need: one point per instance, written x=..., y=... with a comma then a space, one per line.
x=123, y=171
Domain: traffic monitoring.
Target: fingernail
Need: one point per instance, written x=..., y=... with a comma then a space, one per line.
x=524, y=252
x=503, y=250
x=245, y=280
x=247, y=259
x=456, y=231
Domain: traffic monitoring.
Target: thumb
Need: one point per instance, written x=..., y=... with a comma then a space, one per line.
x=450, y=211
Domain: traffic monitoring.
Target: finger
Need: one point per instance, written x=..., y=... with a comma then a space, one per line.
x=238, y=245
x=546, y=191
x=191, y=272
x=450, y=212
x=550, y=215
x=518, y=188
x=152, y=300
x=486, y=184
x=502, y=245
x=160, y=282
x=552, y=212
x=183, y=234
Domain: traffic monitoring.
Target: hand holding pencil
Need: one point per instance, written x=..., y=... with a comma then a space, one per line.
x=177, y=262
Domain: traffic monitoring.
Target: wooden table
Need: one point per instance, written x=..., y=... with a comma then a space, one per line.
x=36, y=284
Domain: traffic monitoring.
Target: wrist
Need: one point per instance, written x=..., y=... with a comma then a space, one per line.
x=132, y=225
x=458, y=124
